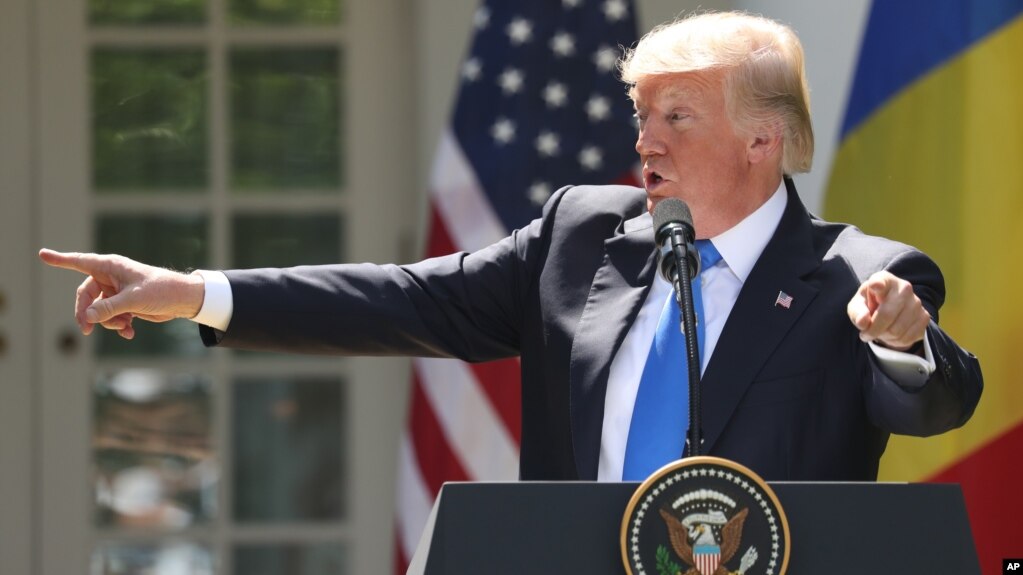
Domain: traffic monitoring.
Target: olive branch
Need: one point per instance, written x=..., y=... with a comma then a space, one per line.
x=665, y=566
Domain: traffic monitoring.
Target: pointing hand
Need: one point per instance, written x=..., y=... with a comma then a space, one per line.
x=119, y=289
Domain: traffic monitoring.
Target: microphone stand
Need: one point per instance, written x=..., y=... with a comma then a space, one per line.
x=680, y=245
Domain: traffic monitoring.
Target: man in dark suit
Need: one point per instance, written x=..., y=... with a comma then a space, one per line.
x=820, y=340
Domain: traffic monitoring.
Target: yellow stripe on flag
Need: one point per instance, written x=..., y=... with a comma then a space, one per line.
x=940, y=166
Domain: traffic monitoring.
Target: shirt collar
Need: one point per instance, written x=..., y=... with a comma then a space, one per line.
x=741, y=246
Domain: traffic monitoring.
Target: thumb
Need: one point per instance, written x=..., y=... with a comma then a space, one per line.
x=103, y=309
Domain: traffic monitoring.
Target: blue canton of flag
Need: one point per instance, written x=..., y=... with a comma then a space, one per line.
x=540, y=104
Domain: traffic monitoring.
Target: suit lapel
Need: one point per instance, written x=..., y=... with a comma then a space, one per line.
x=756, y=324
x=619, y=288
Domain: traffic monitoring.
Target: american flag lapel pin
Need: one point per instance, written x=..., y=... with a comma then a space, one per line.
x=784, y=300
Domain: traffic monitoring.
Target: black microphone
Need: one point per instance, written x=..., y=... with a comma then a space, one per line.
x=673, y=229
x=674, y=233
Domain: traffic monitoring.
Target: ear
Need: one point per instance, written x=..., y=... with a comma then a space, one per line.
x=764, y=144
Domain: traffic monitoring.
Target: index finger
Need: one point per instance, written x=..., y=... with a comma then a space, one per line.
x=85, y=263
x=879, y=286
x=858, y=310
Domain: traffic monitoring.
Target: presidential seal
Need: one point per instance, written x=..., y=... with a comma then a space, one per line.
x=704, y=516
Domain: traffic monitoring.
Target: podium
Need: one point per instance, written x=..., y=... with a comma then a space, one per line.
x=575, y=527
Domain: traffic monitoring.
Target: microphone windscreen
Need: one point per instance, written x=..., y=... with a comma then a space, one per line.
x=670, y=210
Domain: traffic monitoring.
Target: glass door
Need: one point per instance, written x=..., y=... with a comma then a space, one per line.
x=216, y=134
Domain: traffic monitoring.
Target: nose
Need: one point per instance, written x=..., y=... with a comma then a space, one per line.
x=649, y=141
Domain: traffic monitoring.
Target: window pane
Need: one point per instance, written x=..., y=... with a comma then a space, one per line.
x=281, y=241
x=278, y=12
x=288, y=441
x=176, y=242
x=149, y=119
x=153, y=449
x=285, y=116
x=152, y=559
x=147, y=11
x=322, y=559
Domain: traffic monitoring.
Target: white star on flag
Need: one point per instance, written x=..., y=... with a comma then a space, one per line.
x=520, y=31
x=591, y=158
x=471, y=70
x=481, y=18
x=598, y=108
x=562, y=44
x=503, y=131
x=547, y=144
x=615, y=10
x=570, y=3
x=605, y=58
x=539, y=193
x=511, y=81
x=555, y=94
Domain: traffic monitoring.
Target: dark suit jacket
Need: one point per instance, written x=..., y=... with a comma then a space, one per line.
x=791, y=393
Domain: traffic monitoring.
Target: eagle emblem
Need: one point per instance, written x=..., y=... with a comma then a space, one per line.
x=695, y=541
x=704, y=516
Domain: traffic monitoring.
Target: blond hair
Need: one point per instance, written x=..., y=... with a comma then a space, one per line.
x=764, y=78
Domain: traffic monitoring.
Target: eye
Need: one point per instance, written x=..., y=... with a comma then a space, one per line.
x=640, y=119
x=677, y=116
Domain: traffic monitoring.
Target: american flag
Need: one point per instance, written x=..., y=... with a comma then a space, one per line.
x=784, y=300
x=539, y=107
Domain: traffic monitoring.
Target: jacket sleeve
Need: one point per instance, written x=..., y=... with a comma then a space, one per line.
x=464, y=305
x=947, y=398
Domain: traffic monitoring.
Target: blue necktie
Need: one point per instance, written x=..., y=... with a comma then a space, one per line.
x=660, y=418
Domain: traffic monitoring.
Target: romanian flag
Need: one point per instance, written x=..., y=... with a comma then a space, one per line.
x=931, y=154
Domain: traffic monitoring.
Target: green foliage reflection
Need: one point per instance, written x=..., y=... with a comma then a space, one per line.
x=281, y=241
x=285, y=118
x=149, y=119
x=147, y=11
x=285, y=11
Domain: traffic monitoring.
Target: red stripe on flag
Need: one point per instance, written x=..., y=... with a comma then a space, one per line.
x=400, y=560
x=498, y=379
x=437, y=461
x=990, y=478
x=628, y=179
x=438, y=242
x=501, y=381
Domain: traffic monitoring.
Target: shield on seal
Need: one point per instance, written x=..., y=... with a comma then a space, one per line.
x=707, y=558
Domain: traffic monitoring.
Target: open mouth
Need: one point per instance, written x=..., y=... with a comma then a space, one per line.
x=653, y=178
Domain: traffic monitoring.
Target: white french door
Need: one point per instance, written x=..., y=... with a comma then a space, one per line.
x=211, y=134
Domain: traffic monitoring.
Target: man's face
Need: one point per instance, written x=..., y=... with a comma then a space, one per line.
x=690, y=150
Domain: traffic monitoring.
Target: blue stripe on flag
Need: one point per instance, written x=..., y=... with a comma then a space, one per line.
x=907, y=38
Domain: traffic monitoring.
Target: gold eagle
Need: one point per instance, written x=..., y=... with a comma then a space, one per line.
x=731, y=535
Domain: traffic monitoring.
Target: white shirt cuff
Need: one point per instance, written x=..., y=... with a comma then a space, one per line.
x=217, y=303
x=906, y=369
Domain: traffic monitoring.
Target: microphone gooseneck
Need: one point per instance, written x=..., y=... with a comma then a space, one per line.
x=675, y=235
